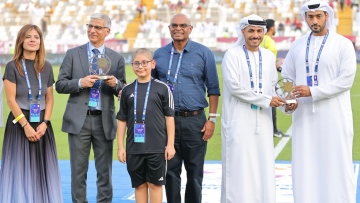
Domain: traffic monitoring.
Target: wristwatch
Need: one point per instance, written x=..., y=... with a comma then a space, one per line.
x=47, y=122
x=212, y=119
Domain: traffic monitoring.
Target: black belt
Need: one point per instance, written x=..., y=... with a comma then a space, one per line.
x=93, y=113
x=188, y=113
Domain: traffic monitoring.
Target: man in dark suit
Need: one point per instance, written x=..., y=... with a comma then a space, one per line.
x=89, y=119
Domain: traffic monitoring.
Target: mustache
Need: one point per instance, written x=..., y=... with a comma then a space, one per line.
x=258, y=38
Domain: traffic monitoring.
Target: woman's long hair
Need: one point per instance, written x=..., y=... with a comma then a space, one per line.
x=19, y=50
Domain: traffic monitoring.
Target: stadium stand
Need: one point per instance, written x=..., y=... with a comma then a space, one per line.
x=214, y=21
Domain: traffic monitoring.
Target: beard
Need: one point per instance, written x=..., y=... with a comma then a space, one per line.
x=317, y=30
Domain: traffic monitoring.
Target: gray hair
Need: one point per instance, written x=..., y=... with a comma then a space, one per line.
x=143, y=51
x=103, y=17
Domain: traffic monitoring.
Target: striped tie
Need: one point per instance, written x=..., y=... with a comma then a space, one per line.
x=97, y=84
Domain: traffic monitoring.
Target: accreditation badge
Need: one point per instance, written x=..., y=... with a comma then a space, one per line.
x=254, y=107
x=34, y=112
x=139, y=132
x=309, y=80
x=94, y=97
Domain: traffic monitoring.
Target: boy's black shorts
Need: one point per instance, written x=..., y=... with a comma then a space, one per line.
x=146, y=168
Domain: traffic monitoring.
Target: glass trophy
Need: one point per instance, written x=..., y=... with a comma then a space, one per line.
x=283, y=90
x=100, y=65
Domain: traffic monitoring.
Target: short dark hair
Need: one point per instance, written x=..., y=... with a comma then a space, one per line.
x=269, y=23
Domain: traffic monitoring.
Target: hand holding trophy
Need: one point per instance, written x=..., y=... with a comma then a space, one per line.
x=100, y=64
x=284, y=88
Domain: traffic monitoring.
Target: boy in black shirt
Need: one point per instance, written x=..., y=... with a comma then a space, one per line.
x=147, y=110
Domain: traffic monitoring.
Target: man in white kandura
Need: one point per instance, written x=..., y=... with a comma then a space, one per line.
x=323, y=65
x=249, y=75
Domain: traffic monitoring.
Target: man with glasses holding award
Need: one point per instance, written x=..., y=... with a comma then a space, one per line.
x=92, y=75
x=189, y=69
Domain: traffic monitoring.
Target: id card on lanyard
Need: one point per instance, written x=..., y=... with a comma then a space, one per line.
x=251, y=75
x=168, y=80
x=139, y=132
x=309, y=78
x=34, y=105
x=94, y=97
x=139, y=128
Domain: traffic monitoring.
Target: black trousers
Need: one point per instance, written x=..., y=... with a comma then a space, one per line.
x=274, y=119
x=190, y=150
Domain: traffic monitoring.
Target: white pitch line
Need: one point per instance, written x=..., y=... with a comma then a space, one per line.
x=282, y=143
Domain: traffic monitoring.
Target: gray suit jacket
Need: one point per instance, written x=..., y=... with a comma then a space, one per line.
x=75, y=66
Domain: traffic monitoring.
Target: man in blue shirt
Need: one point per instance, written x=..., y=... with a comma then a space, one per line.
x=189, y=69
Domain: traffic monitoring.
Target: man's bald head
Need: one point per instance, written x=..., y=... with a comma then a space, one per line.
x=181, y=16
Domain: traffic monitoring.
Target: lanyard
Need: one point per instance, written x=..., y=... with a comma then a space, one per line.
x=145, y=103
x=309, y=79
x=250, y=72
x=28, y=83
x=177, y=68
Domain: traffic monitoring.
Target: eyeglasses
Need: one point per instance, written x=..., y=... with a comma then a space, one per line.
x=174, y=25
x=97, y=27
x=137, y=64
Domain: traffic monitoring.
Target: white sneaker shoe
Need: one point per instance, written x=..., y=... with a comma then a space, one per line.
x=278, y=134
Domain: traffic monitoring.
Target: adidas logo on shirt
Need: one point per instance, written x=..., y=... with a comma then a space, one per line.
x=132, y=95
x=161, y=179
